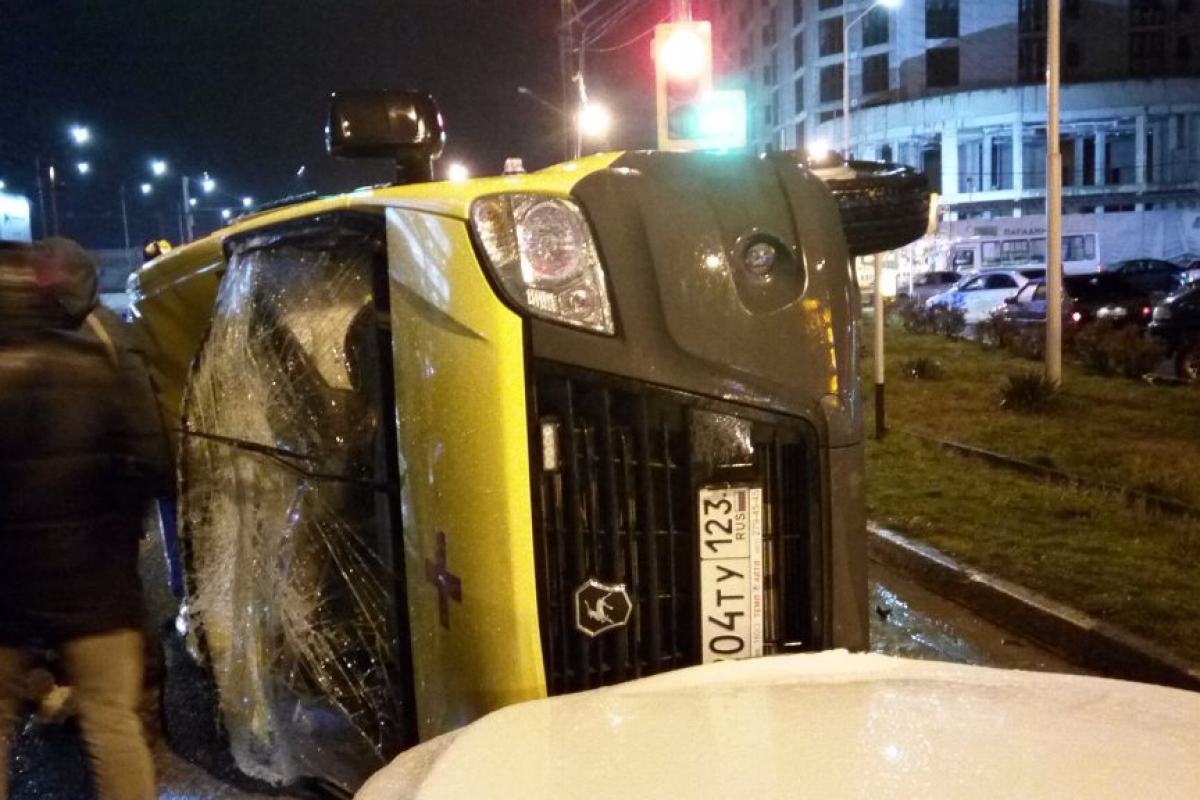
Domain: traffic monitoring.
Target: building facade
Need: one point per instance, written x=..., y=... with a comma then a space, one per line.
x=957, y=89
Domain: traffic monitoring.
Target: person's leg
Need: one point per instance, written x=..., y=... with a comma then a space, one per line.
x=13, y=664
x=106, y=674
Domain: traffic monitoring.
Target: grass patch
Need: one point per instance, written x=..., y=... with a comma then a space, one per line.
x=1094, y=550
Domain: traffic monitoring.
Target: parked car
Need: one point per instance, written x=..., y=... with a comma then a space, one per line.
x=977, y=295
x=1176, y=321
x=1154, y=275
x=926, y=284
x=1098, y=297
x=830, y=725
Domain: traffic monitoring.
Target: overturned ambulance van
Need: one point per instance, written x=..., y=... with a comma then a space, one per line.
x=444, y=447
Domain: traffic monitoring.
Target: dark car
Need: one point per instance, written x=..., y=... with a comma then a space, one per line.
x=926, y=284
x=1154, y=275
x=1177, y=323
x=1094, y=297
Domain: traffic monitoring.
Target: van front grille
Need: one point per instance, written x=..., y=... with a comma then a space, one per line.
x=617, y=467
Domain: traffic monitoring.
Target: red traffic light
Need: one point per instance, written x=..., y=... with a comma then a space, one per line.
x=683, y=50
x=683, y=76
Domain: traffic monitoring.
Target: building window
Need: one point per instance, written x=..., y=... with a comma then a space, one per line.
x=1031, y=60
x=941, y=19
x=1147, y=53
x=1002, y=164
x=1147, y=12
x=770, y=31
x=1031, y=16
x=1073, y=57
x=797, y=12
x=830, y=35
x=875, y=27
x=824, y=4
x=875, y=74
x=831, y=83
x=799, y=89
x=798, y=50
x=770, y=71
x=941, y=67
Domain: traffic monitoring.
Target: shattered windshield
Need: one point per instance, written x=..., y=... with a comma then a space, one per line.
x=285, y=513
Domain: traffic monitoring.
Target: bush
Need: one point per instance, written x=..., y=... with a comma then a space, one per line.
x=913, y=316
x=1117, y=350
x=1029, y=343
x=996, y=331
x=1028, y=392
x=948, y=321
x=922, y=368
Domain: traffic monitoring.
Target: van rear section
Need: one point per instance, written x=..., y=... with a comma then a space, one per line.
x=447, y=447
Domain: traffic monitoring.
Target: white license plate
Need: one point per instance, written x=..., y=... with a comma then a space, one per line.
x=731, y=572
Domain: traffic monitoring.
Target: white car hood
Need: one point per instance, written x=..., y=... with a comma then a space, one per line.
x=823, y=725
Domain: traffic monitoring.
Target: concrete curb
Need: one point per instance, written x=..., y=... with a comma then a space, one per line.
x=1081, y=639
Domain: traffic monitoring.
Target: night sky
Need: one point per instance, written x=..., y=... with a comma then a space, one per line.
x=239, y=88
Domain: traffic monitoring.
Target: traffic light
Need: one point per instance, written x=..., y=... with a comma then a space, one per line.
x=720, y=120
x=683, y=76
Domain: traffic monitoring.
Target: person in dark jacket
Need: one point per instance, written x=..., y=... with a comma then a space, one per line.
x=78, y=463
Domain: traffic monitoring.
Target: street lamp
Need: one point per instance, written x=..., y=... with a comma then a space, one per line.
x=80, y=135
x=158, y=168
x=880, y=425
x=846, y=26
x=591, y=120
x=189, y=202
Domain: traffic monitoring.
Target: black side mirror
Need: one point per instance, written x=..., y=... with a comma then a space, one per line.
x=403, y=125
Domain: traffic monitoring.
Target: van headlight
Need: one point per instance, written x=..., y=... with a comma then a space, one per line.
x=541, y=250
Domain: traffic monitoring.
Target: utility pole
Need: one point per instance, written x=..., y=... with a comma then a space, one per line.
x=1053, y=200
x=566, y=57
x=187, y=211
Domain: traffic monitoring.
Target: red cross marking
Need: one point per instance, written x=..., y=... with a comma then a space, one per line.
x=448, y=585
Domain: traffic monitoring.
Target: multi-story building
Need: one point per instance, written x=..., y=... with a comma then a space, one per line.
x=957, y=88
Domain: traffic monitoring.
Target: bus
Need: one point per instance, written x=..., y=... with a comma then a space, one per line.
x=448, y=446
x=973, y=245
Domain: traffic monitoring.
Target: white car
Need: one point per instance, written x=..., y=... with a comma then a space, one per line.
x=979, y=294
x=822, y=725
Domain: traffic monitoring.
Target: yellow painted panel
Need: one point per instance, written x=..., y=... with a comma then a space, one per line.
x=463, y=451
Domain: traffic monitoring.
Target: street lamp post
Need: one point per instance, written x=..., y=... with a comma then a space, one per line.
x=80, y=135
x=207, y=184
x=590, y=120
x=879, y=311
x=846, y=26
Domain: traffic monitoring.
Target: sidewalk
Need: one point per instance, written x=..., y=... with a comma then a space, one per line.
x=1075, y=636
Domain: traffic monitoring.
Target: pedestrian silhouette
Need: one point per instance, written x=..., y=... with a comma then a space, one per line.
x=82, y=452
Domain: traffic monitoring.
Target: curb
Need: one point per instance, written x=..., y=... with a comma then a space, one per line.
x=1069, y=633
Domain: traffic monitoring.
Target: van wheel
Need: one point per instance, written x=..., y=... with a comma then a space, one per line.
x=1187, y=361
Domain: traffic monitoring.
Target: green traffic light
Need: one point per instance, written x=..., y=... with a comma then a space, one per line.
x=713, y=120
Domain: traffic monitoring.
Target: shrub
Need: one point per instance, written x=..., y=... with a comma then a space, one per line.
x=1029, y=343
x=922, y=368
x=913, y=316
x=1028, y=392
x=996, y=331
x=1117, y=350
x=948, y=321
